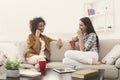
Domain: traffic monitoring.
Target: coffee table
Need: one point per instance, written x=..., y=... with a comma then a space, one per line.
x=49, y=74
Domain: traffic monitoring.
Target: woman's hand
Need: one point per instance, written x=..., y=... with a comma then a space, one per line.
x=59, y=43
x=79, y=32
x=81, y=42
x=37, y=33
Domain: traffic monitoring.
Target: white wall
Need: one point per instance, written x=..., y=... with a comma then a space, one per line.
x=117, y=16
x=61, y=16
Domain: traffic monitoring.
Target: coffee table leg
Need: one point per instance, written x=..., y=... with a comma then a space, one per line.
x=101, y=74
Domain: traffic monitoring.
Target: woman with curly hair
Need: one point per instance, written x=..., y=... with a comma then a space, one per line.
x=38, y=44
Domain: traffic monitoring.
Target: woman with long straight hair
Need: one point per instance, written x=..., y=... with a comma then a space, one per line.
x=88, y=45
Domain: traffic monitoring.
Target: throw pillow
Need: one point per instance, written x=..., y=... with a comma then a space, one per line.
x=22, y=48
x=117, y=63
x=112, y=56
x=10, y=50
x=2, y=57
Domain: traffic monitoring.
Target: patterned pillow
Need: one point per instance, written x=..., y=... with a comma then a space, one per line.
x=112, y=56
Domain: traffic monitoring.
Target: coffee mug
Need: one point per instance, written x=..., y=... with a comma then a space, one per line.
x=42, y=65
x=72, y=43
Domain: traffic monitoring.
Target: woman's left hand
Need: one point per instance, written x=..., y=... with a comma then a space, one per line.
x=59, y=43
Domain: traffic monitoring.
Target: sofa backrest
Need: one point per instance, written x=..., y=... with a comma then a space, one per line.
x=105, y=46
x=58, y=54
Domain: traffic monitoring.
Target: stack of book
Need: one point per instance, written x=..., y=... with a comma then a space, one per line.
x=85, y=74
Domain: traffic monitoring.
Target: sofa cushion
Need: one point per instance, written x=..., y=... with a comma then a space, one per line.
x=112, y=56
x=56, y=53
x=58, y=65
x=117, y=63
x=26, y=66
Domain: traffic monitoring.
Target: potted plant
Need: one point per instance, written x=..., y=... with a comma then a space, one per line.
x=12, y=67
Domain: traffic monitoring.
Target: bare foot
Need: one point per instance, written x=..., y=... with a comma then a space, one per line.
x=95, y=62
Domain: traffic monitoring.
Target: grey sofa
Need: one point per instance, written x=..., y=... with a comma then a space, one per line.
x=112, y=72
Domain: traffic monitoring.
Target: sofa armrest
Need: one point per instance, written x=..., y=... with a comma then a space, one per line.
x=117, y=63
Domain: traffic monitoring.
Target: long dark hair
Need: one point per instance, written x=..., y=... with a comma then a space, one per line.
x=90, y=29
x=34, y=23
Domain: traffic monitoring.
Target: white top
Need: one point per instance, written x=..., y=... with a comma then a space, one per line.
x=42, y=55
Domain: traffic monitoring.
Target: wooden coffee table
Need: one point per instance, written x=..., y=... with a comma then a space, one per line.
x=49, y=74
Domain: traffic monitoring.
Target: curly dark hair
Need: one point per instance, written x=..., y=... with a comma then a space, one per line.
x=34, y=23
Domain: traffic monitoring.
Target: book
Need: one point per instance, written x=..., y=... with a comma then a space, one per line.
x=66, y=70
x=29, y=72
x=85, y=73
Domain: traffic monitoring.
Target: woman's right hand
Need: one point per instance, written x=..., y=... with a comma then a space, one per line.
x=37, y=33
x=79, y=32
